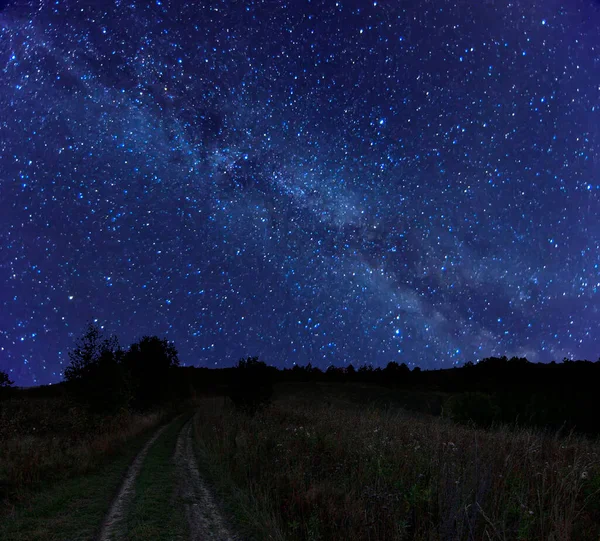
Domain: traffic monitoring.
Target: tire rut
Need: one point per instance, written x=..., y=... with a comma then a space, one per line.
x=204, y=518
x=112, y=527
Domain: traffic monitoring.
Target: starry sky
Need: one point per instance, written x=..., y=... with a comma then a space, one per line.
x=325, y=182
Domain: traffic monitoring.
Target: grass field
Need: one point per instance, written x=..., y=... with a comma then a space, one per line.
x=71, y=508
x=43, y=440
x=314, y=467
x=60, y=468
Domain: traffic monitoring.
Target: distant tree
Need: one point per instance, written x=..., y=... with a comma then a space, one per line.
x=149, y=363
x=334, y=373
x=366, y=373
x=404, y=370
x=315, y=371
x=395, y=373
x=393, y=368
x=350, y=370
x=303, y=373
x=5, y=381
x=493, y=363
x=5, y=385
x=85, y=354
x=95, y=376
x=251, y=385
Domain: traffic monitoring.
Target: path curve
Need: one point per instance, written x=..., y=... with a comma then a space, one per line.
x=116, y=514
x=204, y=518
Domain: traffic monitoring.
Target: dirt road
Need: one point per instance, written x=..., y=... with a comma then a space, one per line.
x=205, y=521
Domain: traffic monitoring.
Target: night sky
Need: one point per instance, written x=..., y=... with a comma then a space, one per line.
x=325, y=182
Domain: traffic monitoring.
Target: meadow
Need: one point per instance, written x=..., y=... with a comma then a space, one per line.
x=319, y=461
x=316, y=466
x=44, y=437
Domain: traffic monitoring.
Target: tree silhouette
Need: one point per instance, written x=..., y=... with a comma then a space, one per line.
x=85, y=355
x=251, y=385
x=396, y=372
x=95, y=376
x=149, y=363
x=5, y=382
x=5, y=385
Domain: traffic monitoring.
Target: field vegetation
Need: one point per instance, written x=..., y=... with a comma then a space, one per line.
x=45, y=437
x=316, y=466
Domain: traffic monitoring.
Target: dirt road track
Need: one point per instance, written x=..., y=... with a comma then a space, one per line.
x=113, y=524
x=204, y=519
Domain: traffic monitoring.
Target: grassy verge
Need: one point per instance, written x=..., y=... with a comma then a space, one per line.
x=72, y=508
x=305, y=470
x=254, y=517
x=44, y=440
x=156, y=512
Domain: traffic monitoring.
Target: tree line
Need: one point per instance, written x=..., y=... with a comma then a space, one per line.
x=105, y=377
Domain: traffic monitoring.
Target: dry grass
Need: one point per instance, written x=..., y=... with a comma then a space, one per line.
x=46, y=439
x=312, y=470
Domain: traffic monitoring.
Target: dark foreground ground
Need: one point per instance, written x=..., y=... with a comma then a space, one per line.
x=323, y=461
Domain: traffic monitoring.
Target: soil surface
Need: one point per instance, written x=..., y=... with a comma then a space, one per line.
x=204, y=518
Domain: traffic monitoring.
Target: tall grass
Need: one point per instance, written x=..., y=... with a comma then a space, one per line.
x=315, y=471
x=45, y=439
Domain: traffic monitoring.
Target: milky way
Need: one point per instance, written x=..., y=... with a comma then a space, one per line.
x=325, y=182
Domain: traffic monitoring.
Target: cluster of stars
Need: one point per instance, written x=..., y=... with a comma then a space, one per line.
x=324, y=182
